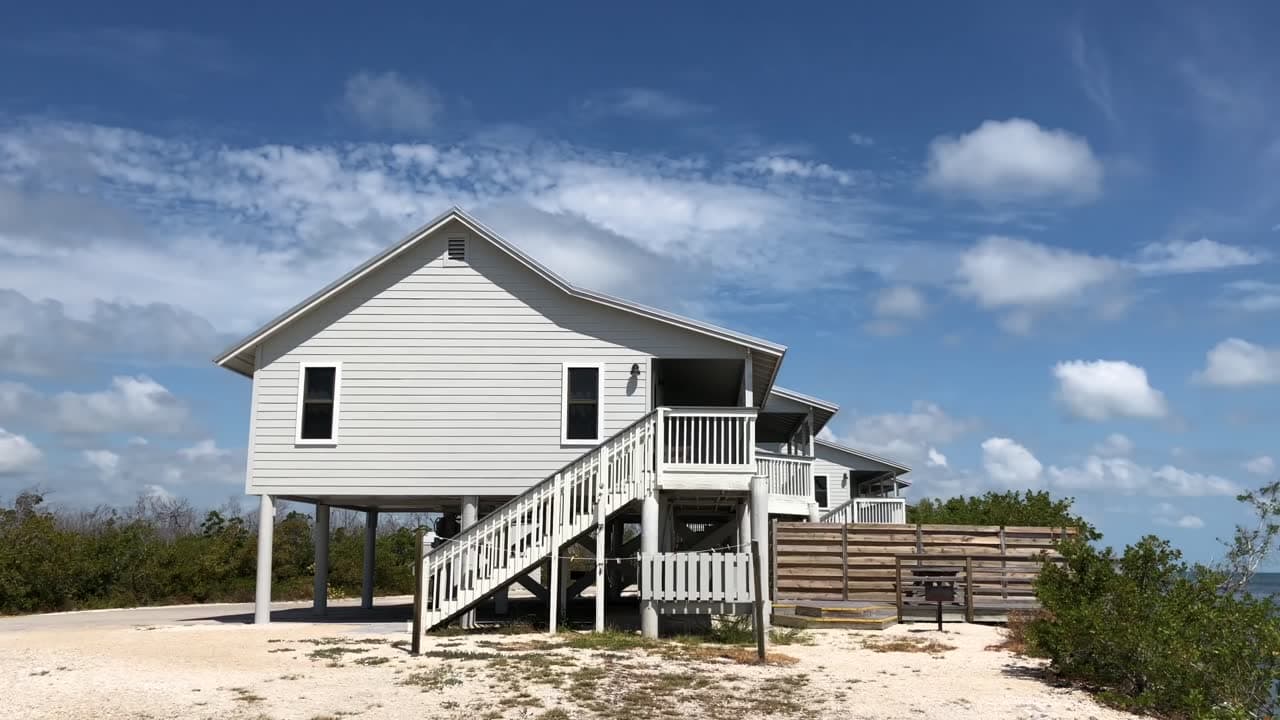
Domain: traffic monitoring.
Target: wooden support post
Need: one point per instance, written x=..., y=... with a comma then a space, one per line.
x=419, y=591
x=1004, y=565
x=968, y=588
x=320, y=588
x=773, y=560
x=897, y=584
x=844, y=563
x=762, y=631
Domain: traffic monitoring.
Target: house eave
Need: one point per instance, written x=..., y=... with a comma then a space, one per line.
x=899, y=467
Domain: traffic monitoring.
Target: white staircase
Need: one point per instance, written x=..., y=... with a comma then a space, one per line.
x=536, y=525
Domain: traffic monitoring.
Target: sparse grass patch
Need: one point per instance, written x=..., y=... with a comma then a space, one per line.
x=437, y=678
x=460, y=655
x=1015, y=631
x=247, y=696
x=553, y=714
x=372, y=660
x=334, y=652
x=607, y=640
x=905, y=644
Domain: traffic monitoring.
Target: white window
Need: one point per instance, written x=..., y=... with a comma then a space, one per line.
x=319, y=387
x=581, y=404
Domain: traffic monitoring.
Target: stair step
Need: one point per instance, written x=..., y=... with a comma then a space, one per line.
x=833, y=623
x=826, y=611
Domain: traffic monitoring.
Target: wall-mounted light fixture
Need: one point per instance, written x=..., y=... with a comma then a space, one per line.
x=635, y=371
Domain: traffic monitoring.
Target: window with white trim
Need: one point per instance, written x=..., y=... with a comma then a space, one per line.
x=820, y=490
x=581, y=409
x=319, y=385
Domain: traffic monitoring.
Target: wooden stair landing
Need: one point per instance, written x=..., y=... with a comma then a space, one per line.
x=834, y=614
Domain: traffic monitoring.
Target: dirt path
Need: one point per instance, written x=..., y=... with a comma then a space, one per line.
x=78, y=669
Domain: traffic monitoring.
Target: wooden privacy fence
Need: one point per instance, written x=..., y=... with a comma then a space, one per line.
x=696, y=577
x=827, y=561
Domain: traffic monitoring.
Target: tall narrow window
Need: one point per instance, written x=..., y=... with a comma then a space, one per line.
x=318, y=404
x=581, y=418
x=820, y=490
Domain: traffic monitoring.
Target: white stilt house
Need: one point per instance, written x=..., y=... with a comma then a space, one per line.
x=452, y=373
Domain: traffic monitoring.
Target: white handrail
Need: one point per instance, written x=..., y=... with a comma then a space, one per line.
x=510, y=540
x=868, y=510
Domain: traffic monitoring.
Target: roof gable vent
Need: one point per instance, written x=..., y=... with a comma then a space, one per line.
x=458, y=248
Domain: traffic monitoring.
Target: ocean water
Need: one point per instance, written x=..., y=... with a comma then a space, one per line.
x=1265, y=584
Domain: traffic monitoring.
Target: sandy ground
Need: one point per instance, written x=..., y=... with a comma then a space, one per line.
x=206, y=663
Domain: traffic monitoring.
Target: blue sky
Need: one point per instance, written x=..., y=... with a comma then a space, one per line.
x=1021, y=245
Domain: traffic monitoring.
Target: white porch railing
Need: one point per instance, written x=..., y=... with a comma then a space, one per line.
x=696, y=577
x=708, y=438
x=788, y=475
x=869, y=510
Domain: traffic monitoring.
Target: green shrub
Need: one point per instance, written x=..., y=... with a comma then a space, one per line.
x=114, y=558
x=1028, y=508
x=1154, y=635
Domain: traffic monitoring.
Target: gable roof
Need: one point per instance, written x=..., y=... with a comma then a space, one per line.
x=896, y=468
x=240, y=357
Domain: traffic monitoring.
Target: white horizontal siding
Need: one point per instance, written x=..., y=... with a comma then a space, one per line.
x=451, y=378
x=837, y=486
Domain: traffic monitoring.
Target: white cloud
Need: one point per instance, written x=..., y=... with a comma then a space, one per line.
x=1261, y=465
x=861, y=140
x=204, y=450
x=783, y=166
x=936, y=459
x=1010, y=464
x=1014, y=160
x=106, y=462
x=1104, y=389
x=1116, y=445
x=1184, y=256
x=387, y=101
x=1123, y=475
x=131, y=404
x=1003, y=272
x=17, y=453
x=1252, y=296
x=644, y=102
x=1167, y=514
x=906, y=437
x=42, y=339
x=901, y=301
x=1239, y=363
x=206, y=217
